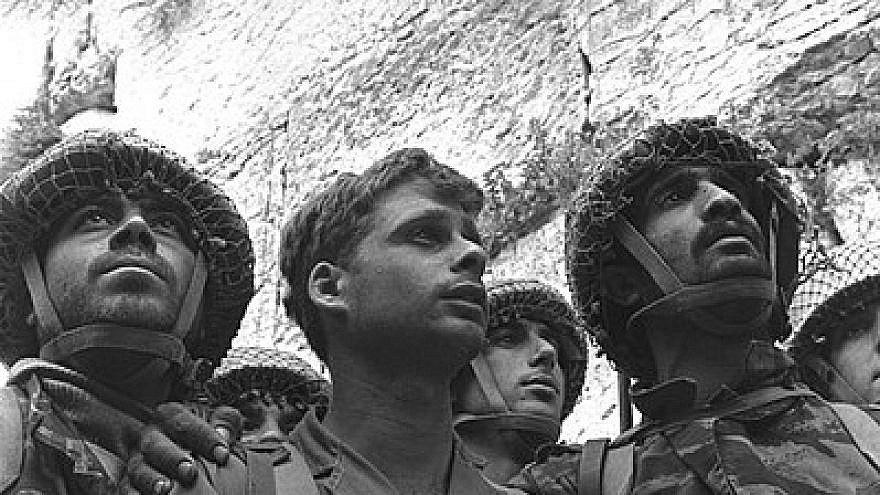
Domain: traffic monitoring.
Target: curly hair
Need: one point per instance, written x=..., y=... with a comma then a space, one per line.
x=331, y=223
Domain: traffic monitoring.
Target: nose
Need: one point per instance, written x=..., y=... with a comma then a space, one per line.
x=134, y=231
x=545, y=354
x=471, y=258
x=721, y=204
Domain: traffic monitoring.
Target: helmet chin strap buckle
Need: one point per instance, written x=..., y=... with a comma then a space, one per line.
x=65, y=343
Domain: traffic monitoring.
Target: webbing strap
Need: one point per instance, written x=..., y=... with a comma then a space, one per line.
x=864, y=431
x=649, y=258
x=260, y=473
x=11, y=437
x=489, y=386
x=193, y=297
x=43, y=308
x=295, y=475
x=618, y=471
x=591, y=464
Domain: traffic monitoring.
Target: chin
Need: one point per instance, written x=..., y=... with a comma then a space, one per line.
x=738, y=266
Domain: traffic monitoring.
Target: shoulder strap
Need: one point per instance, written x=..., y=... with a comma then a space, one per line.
x=590, y=469
x=618, y=470
x=862, y=428
x=11, y=437
x=260, y=473
x=295, y=474
x=605, y=470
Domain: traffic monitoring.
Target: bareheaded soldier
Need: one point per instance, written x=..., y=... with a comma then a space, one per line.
x=682, y=252
x=124, y=274
x=384, y=271
x=834, y=314
x=513, y=397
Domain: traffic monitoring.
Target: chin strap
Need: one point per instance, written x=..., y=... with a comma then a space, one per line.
x=169, y=347
x=500, y=417
x=838, y=387
x=697, y=301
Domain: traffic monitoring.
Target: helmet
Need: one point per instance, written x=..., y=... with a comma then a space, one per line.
x=246, y=371
x=509, y=301
x=843, y=280
x=95, y=162
x=595, y=224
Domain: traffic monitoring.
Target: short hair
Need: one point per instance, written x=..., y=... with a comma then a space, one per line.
x=332, y=223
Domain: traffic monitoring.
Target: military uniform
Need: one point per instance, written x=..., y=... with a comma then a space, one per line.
x=338, y=470
x=778, y=437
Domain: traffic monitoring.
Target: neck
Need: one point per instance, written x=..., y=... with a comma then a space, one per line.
x=685, y=351
x=399, y=420
x=504, y=451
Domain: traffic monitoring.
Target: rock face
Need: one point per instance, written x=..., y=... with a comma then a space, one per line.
x=272, y=97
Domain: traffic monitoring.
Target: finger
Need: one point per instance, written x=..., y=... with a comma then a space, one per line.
x=145, y=479
x=160, y=453
x=190, y=431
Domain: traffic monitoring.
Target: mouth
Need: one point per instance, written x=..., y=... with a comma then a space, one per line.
x=733, y=237
x=541, y=380
x=468, y=292
x=134, y=264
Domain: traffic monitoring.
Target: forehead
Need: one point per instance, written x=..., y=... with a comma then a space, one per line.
x=416, y=197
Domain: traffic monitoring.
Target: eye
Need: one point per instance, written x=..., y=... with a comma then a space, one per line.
x=167, y=223
x=95, y=217
x=428, y=235
x=675, y=193
x=509, y=336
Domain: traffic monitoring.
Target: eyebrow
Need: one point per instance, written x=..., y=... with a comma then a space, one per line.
x=675, y=174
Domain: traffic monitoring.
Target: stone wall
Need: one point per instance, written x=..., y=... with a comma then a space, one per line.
x=271, y=97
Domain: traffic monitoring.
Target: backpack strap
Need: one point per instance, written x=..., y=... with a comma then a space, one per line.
x=296, y=475
x=291, y=473
x=604, y=469
x=592, y=462
x=11, y=436
x=862, y=428
x=260, y=472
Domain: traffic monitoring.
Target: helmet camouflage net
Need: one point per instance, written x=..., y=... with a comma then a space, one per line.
x=835, y=285
x=86, y=165
x=250, y=371
x=608, y=190
x=514, y=299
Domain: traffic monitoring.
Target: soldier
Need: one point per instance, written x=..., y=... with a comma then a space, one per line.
x=271, y=390
x=124, y=275
x=682, y=251
x=527, y=379
x=836, y=337
x=384, y=274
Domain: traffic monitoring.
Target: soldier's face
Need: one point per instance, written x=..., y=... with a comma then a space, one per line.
x=120, y=260
x=413, y=288
x=857, y=355
x=523, y=358
x=698, y=220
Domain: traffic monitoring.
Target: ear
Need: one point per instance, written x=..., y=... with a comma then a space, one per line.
x=325, y=285
x=621, y=284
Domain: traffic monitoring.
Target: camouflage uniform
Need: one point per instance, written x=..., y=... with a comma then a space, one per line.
x=76, y=434
x=770, y=434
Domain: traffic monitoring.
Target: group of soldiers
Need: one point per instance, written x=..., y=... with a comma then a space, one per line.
x=125, y=273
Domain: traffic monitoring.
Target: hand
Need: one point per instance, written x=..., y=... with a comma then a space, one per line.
x=161, y=459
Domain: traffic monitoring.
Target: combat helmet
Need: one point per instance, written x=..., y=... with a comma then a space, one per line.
x=596, y=226
x=247, y=373
x=511, y=300
x=87, y=165
x=840, y=281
